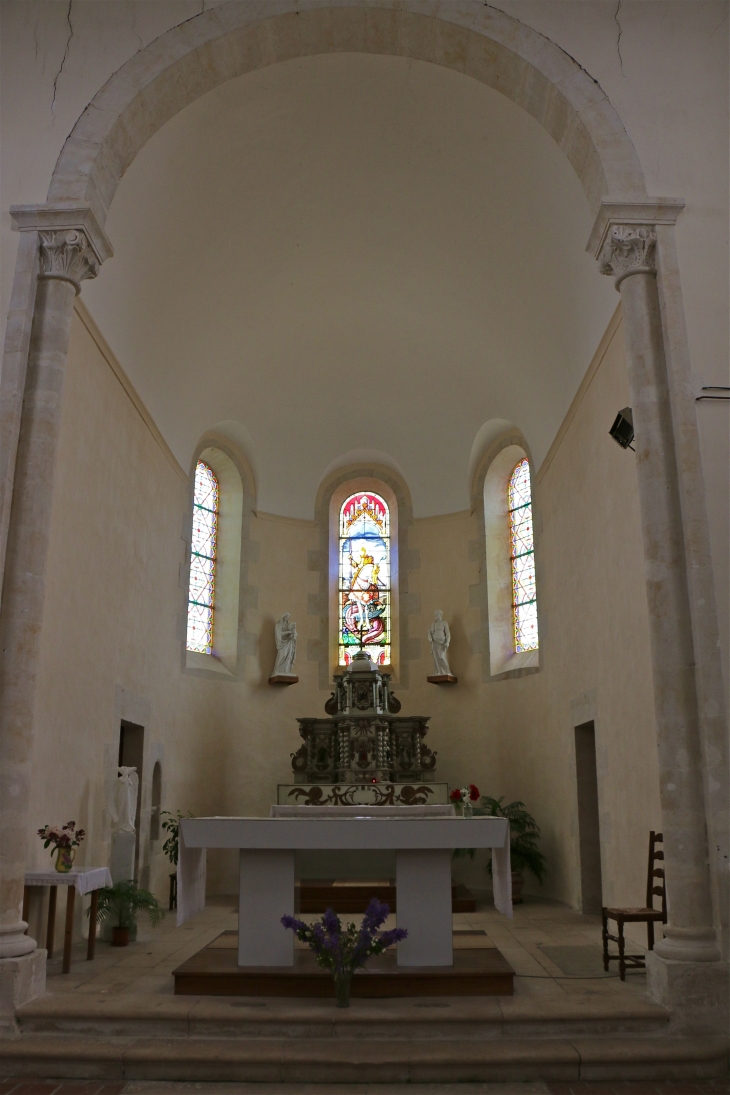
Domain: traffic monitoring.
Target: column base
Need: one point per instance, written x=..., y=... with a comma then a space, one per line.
x=688, y=945
x=14, y=942
x=21, y=979
x=696, y=992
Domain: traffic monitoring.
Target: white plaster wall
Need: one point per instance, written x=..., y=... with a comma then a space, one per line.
x=515, y=737
x=111, y=619
x=113, y=602
x=511, y=737
x=112, y=591
x=663, y=64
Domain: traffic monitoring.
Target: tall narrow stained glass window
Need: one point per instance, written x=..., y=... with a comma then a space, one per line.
x=364, y=578
x=201, y=595
x=522, y=559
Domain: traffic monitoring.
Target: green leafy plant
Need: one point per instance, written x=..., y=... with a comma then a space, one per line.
x=524, y=835
x=123, y=901
x=171, y=825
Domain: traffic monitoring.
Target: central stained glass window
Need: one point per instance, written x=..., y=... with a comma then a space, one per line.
x=522, y=558
x=364, y=579
x=201, y=594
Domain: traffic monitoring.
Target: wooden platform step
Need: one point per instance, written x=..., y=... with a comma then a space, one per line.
x=314, y=895
x=335, y=1060
x=214, y=971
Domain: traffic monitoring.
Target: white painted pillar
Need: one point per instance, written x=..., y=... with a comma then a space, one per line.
x=265, y=894
x=72, y=246
x=423, y=891
x=627, y=251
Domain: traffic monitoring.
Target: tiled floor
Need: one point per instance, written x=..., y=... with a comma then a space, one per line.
x=146, y=966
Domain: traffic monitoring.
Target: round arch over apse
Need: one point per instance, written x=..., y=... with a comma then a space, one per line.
x=238, y=37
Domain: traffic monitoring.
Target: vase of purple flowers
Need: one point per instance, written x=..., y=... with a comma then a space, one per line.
x=344, y=950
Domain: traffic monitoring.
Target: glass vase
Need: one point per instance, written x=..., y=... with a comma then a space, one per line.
x=468, y=809
x=343, y=982
x=65, y=859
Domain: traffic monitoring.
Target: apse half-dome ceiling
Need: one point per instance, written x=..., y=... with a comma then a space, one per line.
x=352, y=253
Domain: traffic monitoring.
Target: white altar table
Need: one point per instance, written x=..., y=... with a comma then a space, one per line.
x=423, y=847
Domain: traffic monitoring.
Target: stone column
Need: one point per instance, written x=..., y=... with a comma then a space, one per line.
x=627, y=252
x=72, y=248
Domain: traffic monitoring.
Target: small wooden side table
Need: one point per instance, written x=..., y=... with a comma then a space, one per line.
x=81, y=880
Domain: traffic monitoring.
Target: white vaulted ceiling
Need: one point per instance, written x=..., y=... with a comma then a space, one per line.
x=352, y=253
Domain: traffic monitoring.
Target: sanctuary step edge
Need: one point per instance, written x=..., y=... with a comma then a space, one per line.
x=480, y=1018
x=335, y=1060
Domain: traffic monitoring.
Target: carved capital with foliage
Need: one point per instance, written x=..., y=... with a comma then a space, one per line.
x=629, y=249
x=68, y=255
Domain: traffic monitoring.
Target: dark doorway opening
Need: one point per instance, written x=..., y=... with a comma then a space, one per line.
x=131, y=754
x=589, y=830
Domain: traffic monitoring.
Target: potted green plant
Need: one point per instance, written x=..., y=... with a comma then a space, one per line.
x=122, y=902
x=524, y=835
x=171, y=825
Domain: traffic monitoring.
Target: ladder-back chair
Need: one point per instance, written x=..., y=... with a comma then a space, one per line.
x=647, y=915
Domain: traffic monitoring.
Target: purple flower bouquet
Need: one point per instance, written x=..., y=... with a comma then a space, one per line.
x=343, y=950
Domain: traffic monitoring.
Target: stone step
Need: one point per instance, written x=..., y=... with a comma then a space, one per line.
x=444, y=1018
x=335, y=1060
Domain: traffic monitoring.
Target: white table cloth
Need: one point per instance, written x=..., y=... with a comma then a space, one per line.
x=84, y=879
x=81, y=880
x=423, y=847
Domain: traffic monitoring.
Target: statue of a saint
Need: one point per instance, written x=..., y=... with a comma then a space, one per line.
x=122, y=799
x=286, y=647
x=439, y=636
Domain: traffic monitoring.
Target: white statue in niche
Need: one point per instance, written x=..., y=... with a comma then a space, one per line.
x=122, y=799
x=286, y=649
x=439, y=637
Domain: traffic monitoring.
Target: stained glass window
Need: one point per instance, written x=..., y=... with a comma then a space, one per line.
x=522, y=558
x=201, y=596
x=364, y=578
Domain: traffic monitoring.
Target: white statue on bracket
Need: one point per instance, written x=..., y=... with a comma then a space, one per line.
x=121, y=799
x=439, y=637
x=121, y=804
x=286, y=651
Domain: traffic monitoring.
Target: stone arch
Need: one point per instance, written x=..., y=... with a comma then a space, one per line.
x=233, y=39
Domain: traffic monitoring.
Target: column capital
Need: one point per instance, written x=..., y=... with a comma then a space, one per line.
x=73, y=244
x=628, y=249
x=623, y=238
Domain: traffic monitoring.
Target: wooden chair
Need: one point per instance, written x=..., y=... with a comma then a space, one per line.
x=648, y=915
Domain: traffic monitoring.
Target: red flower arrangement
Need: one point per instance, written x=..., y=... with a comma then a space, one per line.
x=68, y=836
x=470, y=793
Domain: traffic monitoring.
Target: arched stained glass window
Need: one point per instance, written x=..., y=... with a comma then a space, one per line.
x=364, y=578
x=522, y=558
x=201, y=595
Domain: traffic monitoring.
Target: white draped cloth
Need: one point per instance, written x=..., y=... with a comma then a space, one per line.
x=191, y=867
x=191, y=872
x=502, y=878
x=85, y=879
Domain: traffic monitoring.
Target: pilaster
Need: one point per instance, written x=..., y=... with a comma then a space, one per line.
x=71, y=247
x=624, y=240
